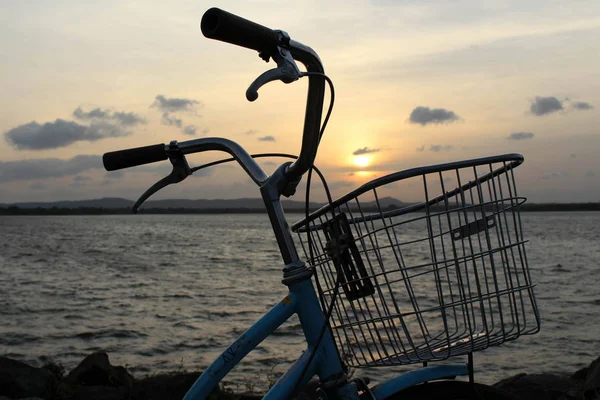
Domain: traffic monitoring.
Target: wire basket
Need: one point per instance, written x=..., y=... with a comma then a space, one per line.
x=430, y=279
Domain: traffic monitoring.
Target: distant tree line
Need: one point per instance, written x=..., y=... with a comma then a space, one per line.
x=15, y=210
x=561, y=207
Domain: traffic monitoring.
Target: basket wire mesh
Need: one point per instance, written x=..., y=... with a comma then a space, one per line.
x=430, y=279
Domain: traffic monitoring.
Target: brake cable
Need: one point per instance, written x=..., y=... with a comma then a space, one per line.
x=328, y=310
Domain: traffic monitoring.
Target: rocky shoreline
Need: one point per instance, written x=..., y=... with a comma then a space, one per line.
x=96, y=379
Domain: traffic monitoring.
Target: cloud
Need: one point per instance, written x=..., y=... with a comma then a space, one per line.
x=340, y=184
x=267, y=139
x=425, y=115
x=78, y=113
x=60, y=133
x=545, y=105
x=120, y=117
x=38, y=186
x=189, y=130
x=250, y=132
x=80, y=180
x=551, y=176
x=118, y=174
x=47, y=167
x=520, y=136
x=128, y=118
x=174, y=104
x=582, y=105
x=170, y=120
x=364, y=150
x=192, y=130
x=436, y=148
x=541, y=106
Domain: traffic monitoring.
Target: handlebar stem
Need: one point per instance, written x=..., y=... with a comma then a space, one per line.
x=271, y=193
x=314, y=109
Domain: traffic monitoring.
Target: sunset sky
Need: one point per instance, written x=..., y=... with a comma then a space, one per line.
x=417, y=82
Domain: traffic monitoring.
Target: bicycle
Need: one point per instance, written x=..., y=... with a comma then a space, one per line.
x=456, y=283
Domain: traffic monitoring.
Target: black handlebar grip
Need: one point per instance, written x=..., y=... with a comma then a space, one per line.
x=226, y=27
x=131, y=157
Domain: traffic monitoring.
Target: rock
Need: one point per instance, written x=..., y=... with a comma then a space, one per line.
x=580, y=374
x=95, y=370
x=96, y=379
x=165, y=387
x=100, y=393
x=539, y=386
x=19, y=380
x=27, y=398
x=591, y=385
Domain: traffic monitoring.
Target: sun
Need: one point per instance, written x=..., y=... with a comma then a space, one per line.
x=361, y=161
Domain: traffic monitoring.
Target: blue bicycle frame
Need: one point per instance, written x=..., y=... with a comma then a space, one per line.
x=325, y=363
x=321, y=357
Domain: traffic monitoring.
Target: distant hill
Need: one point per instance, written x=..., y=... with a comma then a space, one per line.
x=119, y=205
x=203, y=204
x=199, y=204
x=385, y=202
x=107, y=202
x=116, y=205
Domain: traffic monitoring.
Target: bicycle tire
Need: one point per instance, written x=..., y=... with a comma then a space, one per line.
x=453, y=390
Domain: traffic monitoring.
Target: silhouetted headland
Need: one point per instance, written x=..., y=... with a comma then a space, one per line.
x=221, y=206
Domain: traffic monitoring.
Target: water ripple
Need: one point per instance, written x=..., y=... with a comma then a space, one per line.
x=71, y=285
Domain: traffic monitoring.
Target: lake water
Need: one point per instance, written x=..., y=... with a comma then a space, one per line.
x=163, y=292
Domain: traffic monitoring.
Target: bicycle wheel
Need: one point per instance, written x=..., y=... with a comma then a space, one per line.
x=453, y=390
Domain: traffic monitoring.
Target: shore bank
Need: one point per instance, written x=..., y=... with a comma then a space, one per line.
x=95, y=378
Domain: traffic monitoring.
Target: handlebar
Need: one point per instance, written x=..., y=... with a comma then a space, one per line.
x=221, y=25
x=144, y=155
x=228, y=146
x=226, y=27
x=133, y=157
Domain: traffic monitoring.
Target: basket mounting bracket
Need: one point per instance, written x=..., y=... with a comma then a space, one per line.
x=349, y=265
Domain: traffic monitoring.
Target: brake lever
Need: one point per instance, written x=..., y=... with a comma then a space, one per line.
x=181, y=170
x=287, y=71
